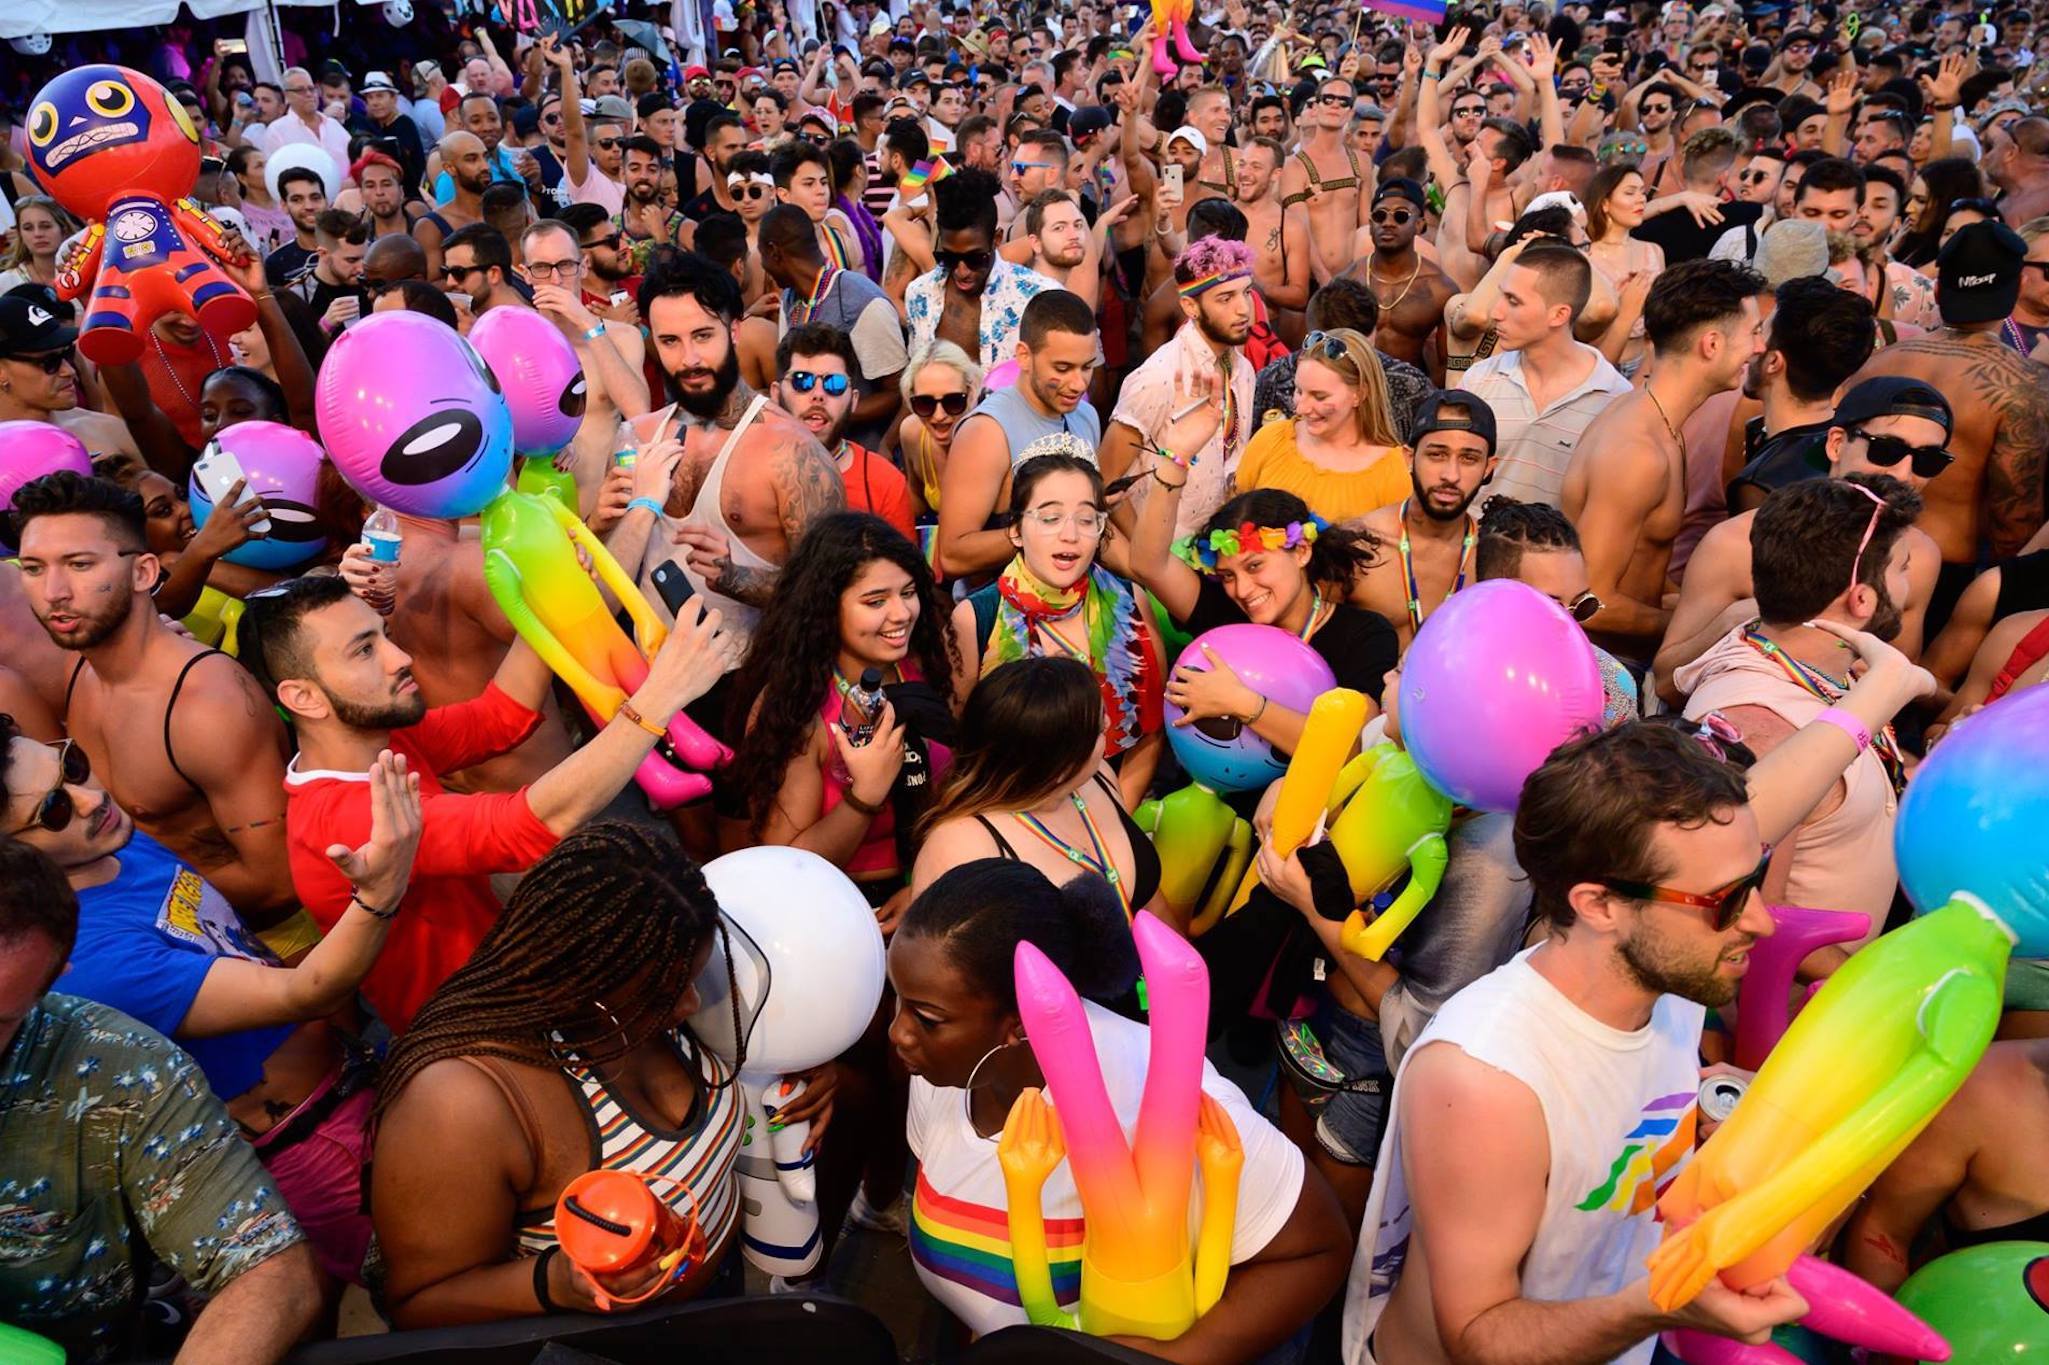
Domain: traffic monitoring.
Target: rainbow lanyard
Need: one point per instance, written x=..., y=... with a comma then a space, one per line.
x=1230, y=437
x=1045, y=631
x=1818, y=684
x=1099, y=864
x=1415, y=591
x=819, y=290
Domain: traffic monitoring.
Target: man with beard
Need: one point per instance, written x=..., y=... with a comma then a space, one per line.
x=480, y=117
x=1063, y=247
x=1625, y=489
x=1213, y=279
x=590, y=146
x=642, y=218
x=1432, y=529
x=1412, y=292
x=973, y=297
x=1895, y=427
x=846, y=301
x=1544, y=386
x=1501, y=1214
x=381, y=186
x=1912, y=293
x=1796, y=55
x=1656, y=114
x=388, y=121
x=816, y=365
x=477, y=264
x=323, y=655
x=1278, y=235
x=305, y=198
x=1039, y=164
x=748, y=477
x=1328, y=179
x=725, y=137
x=1835, y=550
x=182, y=739
x=1814, y=344
x=333, y=289
x=463, y=155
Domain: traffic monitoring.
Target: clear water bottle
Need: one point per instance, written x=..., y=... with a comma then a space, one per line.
x=381, y=533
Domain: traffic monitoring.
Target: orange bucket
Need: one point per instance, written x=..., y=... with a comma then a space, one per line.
x=612, y=1223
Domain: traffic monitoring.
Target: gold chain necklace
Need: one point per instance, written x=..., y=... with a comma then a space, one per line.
x=1674, y=431
x=1410, y=283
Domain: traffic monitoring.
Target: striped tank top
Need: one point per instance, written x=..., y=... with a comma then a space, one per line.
x=701, y=1154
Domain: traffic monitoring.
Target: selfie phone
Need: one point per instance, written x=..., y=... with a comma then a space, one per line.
x=619, y=297
x=217, y=472
x=1614, y=47
x=1172, y=172
x=240, y=45
x=674, y=585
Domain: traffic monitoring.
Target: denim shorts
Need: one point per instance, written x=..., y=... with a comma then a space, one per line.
x=1352, y=1124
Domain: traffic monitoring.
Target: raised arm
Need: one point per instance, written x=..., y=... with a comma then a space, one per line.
x=1444, y=168
x=1544, y=71
x=576, y=154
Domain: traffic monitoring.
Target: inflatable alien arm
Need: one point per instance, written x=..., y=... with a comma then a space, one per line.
x=509, y=588
x=1428, y=858
x=648, y=630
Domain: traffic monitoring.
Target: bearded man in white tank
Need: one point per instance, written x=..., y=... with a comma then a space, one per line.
x=1539, y=1115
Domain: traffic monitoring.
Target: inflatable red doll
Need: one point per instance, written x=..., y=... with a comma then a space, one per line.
x=114, y=148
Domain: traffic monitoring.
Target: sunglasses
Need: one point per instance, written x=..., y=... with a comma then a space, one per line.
x=609, y=242
x=1728, y=902
x=1657, y=108
x=608, y=143
x=56, y=808
x=981, y=258
x=1887, y=451
x=748, y=191
x=456, y=272
x=1476, y=110
x=925, y=404
x=1582, y=608
x=1396, y=217
x=803, y=381
x=1328, y=346
x=1020, y=167
x=1334, y=101
x=1755, y=177
x=49, y=363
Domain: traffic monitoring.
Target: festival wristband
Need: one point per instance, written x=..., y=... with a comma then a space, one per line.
x=541, y=1294
x=1847, y=723
x=649, y=503
x=626, y=710
x=596, y=330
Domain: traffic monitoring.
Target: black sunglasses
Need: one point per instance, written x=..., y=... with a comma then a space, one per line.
x=1334, y=101
x=50, y=362
x=925, y=404
x=1887, y=451
x=1398, y=217
x=456, y=272
x=1476, y=110
x=56, y=808
x=609, y=242
x=803, y=381
x=981, y=258
x=1728, y=902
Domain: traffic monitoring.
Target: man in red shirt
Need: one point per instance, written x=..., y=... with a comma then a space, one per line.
x=322, y=652
x=813, y=360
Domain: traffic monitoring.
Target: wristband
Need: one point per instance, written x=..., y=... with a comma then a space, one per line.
x=1847, y=723
x=649, y=503
x=597, y=329
x=867, y=808
x=356, y=898
x=626, y=710
x=1430, y=75
x=1253, y=719
x=541, y=1295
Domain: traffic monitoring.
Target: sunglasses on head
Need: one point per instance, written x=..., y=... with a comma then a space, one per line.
x=803, y=381
x=1328, y=346
x=49, y=363
x=1887, y=451
x=1728, y=902
x=981, y=258
x=1398, y=217
x=56, y=808
x=925, y=404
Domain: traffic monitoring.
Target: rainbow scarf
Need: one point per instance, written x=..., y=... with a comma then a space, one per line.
x=1123, y=652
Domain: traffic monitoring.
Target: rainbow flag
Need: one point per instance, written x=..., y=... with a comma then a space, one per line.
x=1421, y=11
x=933, y=171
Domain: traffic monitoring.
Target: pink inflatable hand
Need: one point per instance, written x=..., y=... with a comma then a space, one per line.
x=1844, y=1307
x=1705, y=1348
x=1762, y=1012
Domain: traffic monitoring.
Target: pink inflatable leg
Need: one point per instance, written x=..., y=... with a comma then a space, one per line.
x=668, y=786
x=1761, y=1009
x=1163, y=63
x=1705, y=1348
x=1846, y=1308
x=1184, y=46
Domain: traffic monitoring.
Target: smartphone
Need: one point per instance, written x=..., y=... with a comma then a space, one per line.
x=216, y=472
x=619, y=297
x=227, y=45
x=674, y=585
x=1614, y=47
x=1172, y=172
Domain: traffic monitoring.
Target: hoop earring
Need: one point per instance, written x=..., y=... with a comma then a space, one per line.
x=967, y=1106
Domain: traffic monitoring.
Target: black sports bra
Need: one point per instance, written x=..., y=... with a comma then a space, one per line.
x=1145, y=860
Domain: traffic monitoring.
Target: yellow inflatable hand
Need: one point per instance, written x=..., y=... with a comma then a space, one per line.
x=1028, y=1152
x=1335, y=720
x=1220, y=1156
x=1877, y=1052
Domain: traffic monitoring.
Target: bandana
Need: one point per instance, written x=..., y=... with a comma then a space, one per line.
x=1209, y=282
x=1123, y=651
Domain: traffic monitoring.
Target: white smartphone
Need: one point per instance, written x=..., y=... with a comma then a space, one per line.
x=217, y=472
x=1172, y=172
x=620, y=296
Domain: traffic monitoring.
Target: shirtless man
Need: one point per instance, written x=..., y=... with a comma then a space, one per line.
x=1278, y=236
x=201, y=755
x=1993, y=493
x=1412, y=292
x=750, y=477
x=1894, y=426
x=469, y=171
x=1625, y=490
x=1058, y=242
x=1209, y=113
x=1433, y=530
x=1327, y=177
x=38, y=383
x=1478, y=175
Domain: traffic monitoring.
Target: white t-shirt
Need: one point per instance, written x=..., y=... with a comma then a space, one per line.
x=960, y=1231
x=1619, y=1109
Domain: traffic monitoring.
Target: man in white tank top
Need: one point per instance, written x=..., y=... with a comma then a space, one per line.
x=1538, y=1116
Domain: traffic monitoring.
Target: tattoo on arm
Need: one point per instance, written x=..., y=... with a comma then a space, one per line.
x=808, y=485
x=2014, y=468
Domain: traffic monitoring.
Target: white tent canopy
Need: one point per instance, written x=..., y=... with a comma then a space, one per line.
x=21, y=17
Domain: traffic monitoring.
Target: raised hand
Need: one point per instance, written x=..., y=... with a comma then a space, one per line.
x=380, y=868
x=1453, y=44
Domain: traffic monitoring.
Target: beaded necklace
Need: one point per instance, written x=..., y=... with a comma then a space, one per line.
x=1409, y=584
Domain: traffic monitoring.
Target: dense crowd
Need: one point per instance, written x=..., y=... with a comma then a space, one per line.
x=941, y=370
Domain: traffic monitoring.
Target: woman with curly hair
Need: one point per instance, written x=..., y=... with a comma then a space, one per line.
x=562, y=1046
x=855, y=596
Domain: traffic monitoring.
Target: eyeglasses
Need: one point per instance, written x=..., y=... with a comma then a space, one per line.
x=925, y=404
x=1582, y=608
x=1887, y=451
x=1728, y=902
x=49, y=363
x=609, y=242
x=1871, y=526
x=554, y=270
x=56, y=808
x=1396, y=217
x=981, y=258
x=803, y=381
x=1088, y=521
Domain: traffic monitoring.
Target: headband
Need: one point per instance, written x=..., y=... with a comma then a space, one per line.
x=1221, y=545
x=1208, y=282
x=738, y=178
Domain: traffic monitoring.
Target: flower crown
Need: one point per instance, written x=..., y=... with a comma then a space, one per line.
x=1248, y=536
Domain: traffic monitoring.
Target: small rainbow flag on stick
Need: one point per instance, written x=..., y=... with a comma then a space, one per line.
x=1421, y=11
x=932, y=171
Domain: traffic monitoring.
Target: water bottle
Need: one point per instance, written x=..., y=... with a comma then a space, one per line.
x=381, y=533
x=861, y=708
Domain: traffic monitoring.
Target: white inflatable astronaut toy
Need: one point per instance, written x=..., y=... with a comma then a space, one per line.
x=808, y=970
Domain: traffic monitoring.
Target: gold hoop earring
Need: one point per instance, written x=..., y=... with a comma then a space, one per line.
x=968, y=1090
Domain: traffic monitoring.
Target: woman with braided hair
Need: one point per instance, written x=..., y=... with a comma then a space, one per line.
x=562, y=1046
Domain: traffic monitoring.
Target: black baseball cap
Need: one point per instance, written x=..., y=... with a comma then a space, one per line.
x=1441, y=411
x=30, y=326
x=1893, y=395
x=1978, y=275
x=1400, y=187
x=1088, y=121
